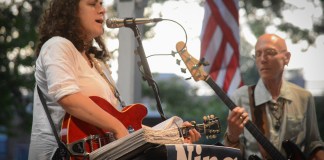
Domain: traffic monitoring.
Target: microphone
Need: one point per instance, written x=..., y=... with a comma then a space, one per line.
x=125, y=22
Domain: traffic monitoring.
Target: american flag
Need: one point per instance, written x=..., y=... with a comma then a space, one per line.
x=220, y=43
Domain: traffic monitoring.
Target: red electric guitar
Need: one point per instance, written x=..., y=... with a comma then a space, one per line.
x=82, y=138
x=196, y=69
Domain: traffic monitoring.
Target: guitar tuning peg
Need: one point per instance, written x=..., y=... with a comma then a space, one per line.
x=183, y=70
x=203, y=62
x=178, y=62
x=206, y=63
x=173, y=53
x=205, y=118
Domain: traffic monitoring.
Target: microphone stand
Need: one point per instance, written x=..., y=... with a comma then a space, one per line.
x=146, y=73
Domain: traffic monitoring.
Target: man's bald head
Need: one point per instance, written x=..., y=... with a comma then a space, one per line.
x=273, y=39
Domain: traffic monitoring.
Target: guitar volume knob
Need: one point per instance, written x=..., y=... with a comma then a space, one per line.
x=130, y=129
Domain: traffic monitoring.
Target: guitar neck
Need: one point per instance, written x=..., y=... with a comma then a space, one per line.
x=265, y=143
x=210, y=129
x=185, y=130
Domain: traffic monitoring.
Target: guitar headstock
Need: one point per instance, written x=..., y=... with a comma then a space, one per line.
x=194, y=66
x=210, y=127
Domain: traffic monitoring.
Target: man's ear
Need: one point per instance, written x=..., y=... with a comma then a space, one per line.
x=287, y=58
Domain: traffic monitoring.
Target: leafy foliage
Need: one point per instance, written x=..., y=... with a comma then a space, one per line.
x=18, y=21
x=273, y=10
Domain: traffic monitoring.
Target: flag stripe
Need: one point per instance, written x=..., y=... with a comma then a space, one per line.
x=220, y=43
x=218, y=60
x=211, y=50
x=220, y=54
x=211, y=27
x=232, y=8
x=231, y=69
x=223, y=77
x=233, y=66
x=236, y=81
x=227, y=31
x=229, y=21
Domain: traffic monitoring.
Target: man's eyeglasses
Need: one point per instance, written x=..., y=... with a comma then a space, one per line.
x=269, y=52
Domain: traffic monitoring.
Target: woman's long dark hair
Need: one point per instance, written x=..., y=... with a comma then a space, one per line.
x=60, y=19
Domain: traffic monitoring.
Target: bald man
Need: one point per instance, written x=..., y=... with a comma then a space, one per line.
x=280, y=109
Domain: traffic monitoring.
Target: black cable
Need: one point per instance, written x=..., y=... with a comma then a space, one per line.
x=186, y=39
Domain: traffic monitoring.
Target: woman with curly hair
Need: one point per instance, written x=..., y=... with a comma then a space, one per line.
x=67, y=75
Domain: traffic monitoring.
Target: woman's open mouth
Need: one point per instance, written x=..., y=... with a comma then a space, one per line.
x=99, y=21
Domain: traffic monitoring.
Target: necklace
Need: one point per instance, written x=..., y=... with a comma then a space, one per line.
x=276, y=110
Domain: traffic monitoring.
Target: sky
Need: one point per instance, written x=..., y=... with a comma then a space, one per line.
x=190, y=14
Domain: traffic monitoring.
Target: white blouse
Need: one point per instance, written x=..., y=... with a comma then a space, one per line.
x=60, y=70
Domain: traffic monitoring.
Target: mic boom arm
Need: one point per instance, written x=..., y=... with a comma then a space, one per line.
x=127, y=22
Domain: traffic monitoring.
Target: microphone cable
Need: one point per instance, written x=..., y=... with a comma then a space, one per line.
x=173, y=52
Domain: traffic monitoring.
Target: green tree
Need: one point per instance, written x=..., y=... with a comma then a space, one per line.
x=18, y=21
x=273, y=12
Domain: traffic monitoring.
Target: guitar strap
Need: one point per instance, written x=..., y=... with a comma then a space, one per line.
x=105, y=72
x=62, y=152
x=259, y=118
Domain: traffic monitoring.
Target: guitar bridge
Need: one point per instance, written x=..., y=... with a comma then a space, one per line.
x=85, y=146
